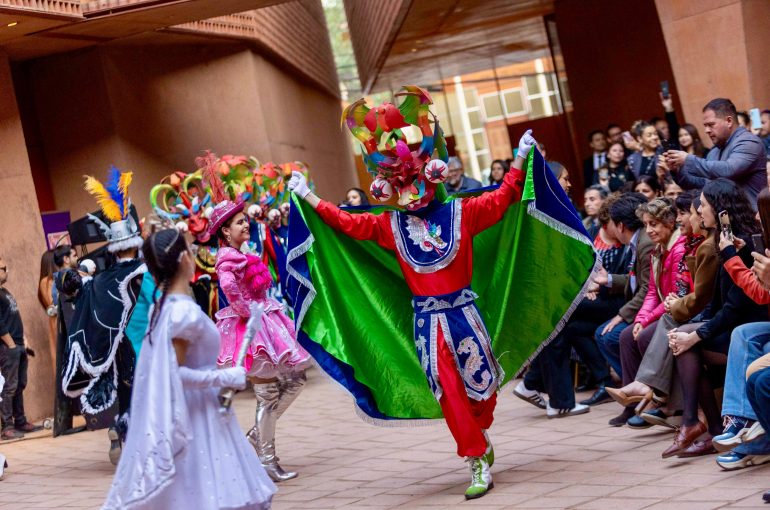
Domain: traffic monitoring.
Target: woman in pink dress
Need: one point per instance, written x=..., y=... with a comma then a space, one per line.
x=275, y=362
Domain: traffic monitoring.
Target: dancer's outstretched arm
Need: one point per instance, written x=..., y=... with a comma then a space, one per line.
x=485, y=210
x=361, y=226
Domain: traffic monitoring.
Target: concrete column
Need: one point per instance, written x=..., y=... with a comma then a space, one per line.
x=718, y=49
x=22, y=243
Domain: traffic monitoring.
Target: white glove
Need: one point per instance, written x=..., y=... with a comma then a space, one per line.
x=234, y=377
x=526, y=143
x=298, y=184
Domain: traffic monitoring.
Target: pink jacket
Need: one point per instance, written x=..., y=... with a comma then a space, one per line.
x=243, y=279
x=665, y=278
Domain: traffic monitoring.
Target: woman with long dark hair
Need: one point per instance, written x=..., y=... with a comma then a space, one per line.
x=693, y=344
x=181, y=449
x=746, y=345
x=497, y=171
x=45, y=295
x=355, y=197
x=275, y=361
x=649, y=186
x=689, y=140
x=618, y=173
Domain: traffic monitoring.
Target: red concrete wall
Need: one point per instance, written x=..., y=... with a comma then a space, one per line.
x=615, y=56
x=21, y=245
x=153, y=109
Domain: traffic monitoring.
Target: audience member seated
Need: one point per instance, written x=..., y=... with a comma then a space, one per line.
x=649, y=186
x=597, y=159
x=594, y=197
x=632, y=284
x=457, y=181
x=707, y=342
x=647, y=361
x=690, y=142
x=497, y=171
x=617, y=172
x=747, y=344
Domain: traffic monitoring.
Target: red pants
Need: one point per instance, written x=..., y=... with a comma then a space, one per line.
x=464, y=416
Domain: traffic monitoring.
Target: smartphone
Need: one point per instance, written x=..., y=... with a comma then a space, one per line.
x=756, y=118
x=759, y=243
x=665, y=90
x=669, y=145
x=724, y=222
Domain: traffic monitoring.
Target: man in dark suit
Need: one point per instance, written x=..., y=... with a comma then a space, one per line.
x=630, y=231
x=598, y=158
x=737, y=155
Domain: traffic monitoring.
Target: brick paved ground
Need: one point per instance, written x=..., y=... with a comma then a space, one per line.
x=576, y=462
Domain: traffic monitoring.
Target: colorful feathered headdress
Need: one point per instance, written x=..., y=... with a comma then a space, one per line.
x=122, y=231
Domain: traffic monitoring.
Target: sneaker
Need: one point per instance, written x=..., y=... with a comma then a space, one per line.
x=489, y=454
x=734, y=428
x=734, y=460
x=755, y=431
x=28, y=427
x=11, y=433
x=659, y=417
x=533, y=397
x=481, y=478
x=563, y=413
x=3, y=465
x=116, y=448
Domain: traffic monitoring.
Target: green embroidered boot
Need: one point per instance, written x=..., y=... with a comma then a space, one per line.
x=481, y=478
x=489, y=455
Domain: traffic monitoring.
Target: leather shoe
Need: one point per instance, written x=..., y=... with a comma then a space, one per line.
x=600, y=396
x=697, y=449
x=684, y=438
x=766, y=497
x=622, y=418
x=28, y=427
x=637, y=422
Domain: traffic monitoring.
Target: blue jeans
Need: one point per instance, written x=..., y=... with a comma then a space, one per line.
x=748, y=343
x=609, y=345
x=758, y=391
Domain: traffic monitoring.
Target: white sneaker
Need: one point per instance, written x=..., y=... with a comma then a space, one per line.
x=3, y=465
x=753, y=432
x=489, y=454
x=533, y=397
x=563, y=413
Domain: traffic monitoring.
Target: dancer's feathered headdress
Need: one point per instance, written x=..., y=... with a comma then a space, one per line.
x=122, y=231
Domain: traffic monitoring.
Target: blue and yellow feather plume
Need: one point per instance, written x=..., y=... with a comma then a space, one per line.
x=112, y=198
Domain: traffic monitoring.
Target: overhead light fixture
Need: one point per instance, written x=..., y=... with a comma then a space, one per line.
x=13, y=23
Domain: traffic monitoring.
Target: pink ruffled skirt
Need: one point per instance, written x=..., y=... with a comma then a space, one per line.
x=274, y=350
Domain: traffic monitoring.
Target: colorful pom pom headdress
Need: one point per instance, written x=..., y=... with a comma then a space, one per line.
x=122, y=233
x=201, y=201
x=412, y=173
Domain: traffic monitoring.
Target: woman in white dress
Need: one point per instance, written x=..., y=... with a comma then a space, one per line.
x=181, y=451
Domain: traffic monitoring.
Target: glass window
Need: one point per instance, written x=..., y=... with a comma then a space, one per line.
x=514, y=103
x=479, y=141
x=475, y=119
x=492, y=107
x=484, y=160
x=471, y=99
x=537, y=108
x=533, y=86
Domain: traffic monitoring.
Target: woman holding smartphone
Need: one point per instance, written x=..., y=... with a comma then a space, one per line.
x=730, y=307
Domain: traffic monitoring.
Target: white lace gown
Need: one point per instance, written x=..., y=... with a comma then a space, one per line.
x=181, y=452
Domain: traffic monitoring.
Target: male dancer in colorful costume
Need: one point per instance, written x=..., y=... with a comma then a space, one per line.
x=433, y=243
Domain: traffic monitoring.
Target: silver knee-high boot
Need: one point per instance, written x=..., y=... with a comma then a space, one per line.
x=273, y=399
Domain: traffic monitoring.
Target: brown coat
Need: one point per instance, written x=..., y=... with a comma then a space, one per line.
x=703, y=268
x=621, y=283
